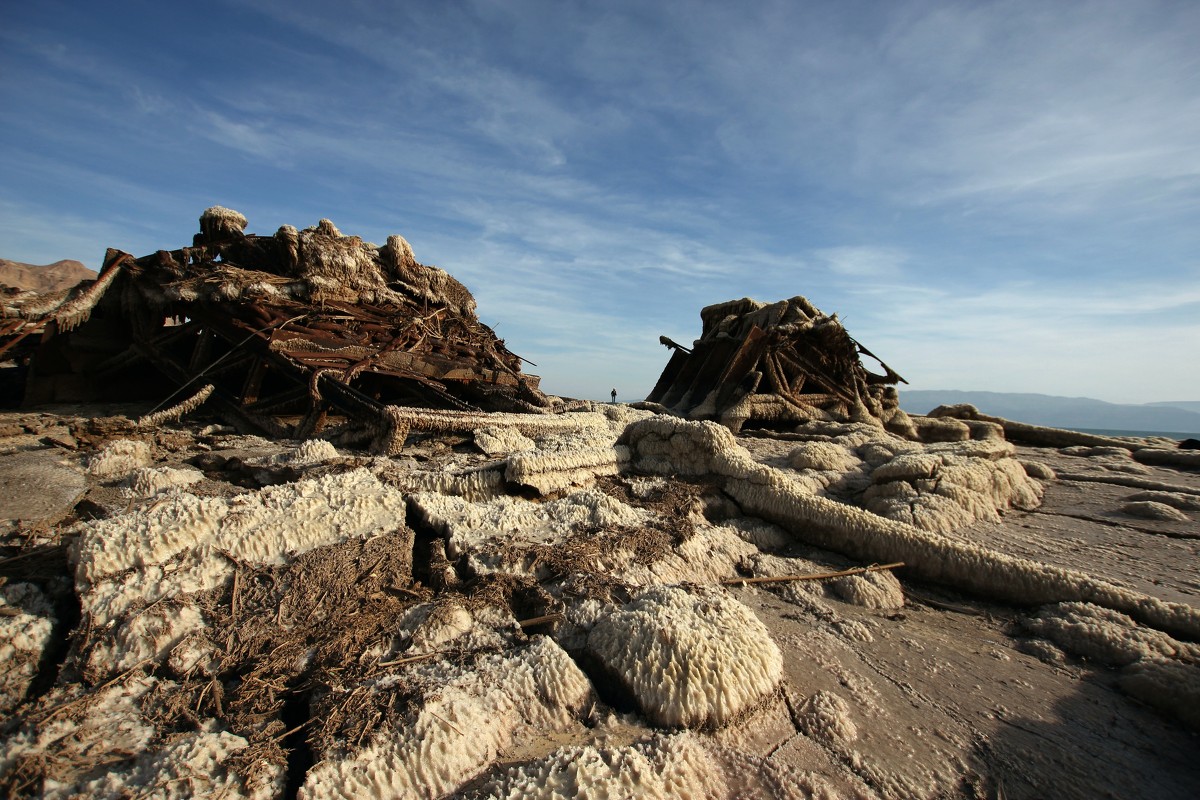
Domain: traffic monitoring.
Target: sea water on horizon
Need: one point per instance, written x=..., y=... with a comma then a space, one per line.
x=1111, y=432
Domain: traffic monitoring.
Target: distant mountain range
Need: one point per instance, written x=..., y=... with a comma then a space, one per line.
x=48, y=278
x=1065, y=412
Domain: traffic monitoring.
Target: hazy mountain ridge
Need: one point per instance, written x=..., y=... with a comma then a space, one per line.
x=1186, y=405
x=1064, y=412
x=44, y=278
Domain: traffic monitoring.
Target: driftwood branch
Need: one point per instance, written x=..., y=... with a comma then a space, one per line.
x=817, y=577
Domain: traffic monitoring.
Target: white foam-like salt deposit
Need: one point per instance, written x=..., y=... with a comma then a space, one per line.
x=145, y=635
x=821, y=456
x=189, y=765
x=1105, y=635
x=1171, y=686
x=499, y=440
x=26, y=624
x=826, y=716
x=663, y=767
x=178, y=546
x=308, y=453
x=559, y=460
x=552, y=470
x=1155, y=510
x=696, y=659
x=106, y=727
x=118, y=458
x=430, y=627
x=469, y=527
x=107, y=747
x=879, y=589
x=952, y=485
x=1036, y=469
x=1179, y=500
x=709, y=555
x=149, y=481
x=468, y=716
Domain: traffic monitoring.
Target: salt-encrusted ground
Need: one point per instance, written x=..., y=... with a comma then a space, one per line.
x=540, y=613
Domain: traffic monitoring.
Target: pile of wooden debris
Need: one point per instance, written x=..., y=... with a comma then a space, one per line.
x=288, y=334
x=778, y=364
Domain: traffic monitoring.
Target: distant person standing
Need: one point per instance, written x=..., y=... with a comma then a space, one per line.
x=614, y=395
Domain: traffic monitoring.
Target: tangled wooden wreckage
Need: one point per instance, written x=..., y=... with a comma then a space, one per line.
x=301, y=333
x=781, y=363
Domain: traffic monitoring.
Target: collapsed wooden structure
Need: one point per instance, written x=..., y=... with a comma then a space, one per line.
x=777, y=364
x=294, y=332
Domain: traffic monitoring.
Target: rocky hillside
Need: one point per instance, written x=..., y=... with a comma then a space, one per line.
x=51, y=277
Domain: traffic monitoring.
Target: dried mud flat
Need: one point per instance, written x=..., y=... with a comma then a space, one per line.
x=545, y=609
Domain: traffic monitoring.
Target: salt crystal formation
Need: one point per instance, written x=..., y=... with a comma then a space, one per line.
x=25, y=627
x=470, y=714
x=118, y=458
x=134, y=573
x=689, y=659
x=664, y=767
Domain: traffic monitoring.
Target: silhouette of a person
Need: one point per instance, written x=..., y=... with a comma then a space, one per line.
x=614, y=395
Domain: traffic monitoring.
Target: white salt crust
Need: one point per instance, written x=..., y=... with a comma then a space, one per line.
x=673, y=446
x=952, y=485
x=571, y=461
x=663, y=767
x=149, y=481
x=107, y=749
x=188, y=765
x=1171, y=686
x=499, y=440
x=1158, y=670
x=878, y=589
x=308, y=453
x=475, y=483
x=822, y=456
x=24, y=633
x=430, y=627
x=695, y=659
x=474, y=528
x=560, y=460
x=118, y=458
x=1179, y=500
x=826, y=716
x=709, y=555
x=111, y=726
x=184, y=544
x=1152, y=509
x=1105, y=635
x=1036, y=469
x=468, y=716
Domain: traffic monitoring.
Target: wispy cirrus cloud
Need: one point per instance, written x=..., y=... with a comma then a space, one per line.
x=958, y=181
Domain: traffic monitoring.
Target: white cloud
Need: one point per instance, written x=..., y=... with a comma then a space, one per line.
x=1122, y=343
x=864, y=261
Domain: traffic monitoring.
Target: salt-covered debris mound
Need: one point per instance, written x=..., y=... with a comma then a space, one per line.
x=110, y=747
x=26, y=622
x=696, y=659
x=311, y=329
x=136, y=574
x=470, y=710
x=776, y=364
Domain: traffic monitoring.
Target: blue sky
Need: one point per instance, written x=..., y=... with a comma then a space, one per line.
x=999, y=196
